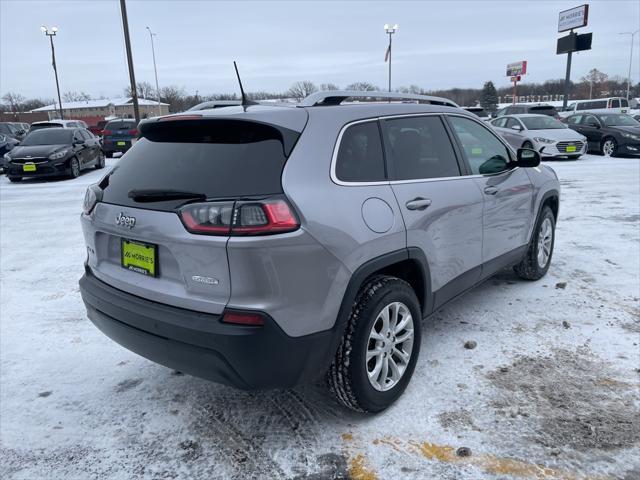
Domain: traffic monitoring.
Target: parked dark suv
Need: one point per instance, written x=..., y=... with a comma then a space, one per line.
x=118, y=136
x=261, y=246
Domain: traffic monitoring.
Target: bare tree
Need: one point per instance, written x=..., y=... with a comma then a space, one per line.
x=302, y=89
x=325, y=87
x=15, y=101
x=76, y=96
x=144, y=90
x=174, y=96
x=362, y=87
x=596, y=80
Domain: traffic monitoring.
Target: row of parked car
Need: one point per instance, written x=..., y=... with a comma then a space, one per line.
x=61, y=147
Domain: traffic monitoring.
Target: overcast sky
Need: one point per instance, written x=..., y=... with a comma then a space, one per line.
x=438, y=45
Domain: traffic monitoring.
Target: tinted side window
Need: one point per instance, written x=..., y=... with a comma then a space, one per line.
x=615, y=103
x=420, y=148
x=485, y=153
x=583, y=106
x=500, y=122
x=590, y=120
x=624, y=103
x=574, y=120
x=360, y=156
x=512, y=122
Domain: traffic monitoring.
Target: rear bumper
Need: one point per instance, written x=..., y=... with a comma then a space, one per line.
x=112, y=145
x=201, y=345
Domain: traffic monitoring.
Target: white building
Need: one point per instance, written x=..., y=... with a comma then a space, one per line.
x=107, y=107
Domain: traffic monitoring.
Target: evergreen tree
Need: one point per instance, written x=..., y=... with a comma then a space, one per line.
x=489, y=97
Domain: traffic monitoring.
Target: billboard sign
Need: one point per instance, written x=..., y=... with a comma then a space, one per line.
x=574, y=43
x=573, y=18
x=517, y=68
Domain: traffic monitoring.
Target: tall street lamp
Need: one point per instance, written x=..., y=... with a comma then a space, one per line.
x=389, y=30
x=633, y=34
x=153, y=51
x=52, y=33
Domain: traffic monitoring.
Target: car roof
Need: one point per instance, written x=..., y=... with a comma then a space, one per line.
x=526, y=115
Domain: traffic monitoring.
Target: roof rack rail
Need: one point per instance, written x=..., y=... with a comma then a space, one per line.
x=336, y=97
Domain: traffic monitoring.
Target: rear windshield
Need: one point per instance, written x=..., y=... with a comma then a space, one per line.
x=40, y=126
x=217, y=158
x=479, y=112
x=551, y=111
x=120, y=125
x=49, y=136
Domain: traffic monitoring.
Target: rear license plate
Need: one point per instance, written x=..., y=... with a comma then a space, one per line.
x=121, y=144
x=571, y=148
x=139, y=257
x=28, y=167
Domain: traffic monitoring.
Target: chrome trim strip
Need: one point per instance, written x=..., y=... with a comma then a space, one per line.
x=336, y=148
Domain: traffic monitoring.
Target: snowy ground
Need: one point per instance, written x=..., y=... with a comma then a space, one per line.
x=551, y=390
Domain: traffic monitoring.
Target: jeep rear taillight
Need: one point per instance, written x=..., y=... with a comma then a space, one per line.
x=242, y=217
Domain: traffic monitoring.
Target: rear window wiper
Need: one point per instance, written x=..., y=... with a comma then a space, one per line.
x=159, y=195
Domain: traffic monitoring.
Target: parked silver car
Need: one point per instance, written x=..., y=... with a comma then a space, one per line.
x=261, y=246
x=543, y=133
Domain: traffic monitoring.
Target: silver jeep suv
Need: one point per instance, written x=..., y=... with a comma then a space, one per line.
x=263, y=246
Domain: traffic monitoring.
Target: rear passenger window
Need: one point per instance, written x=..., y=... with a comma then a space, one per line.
x=615, y=103
x=360, y=156
x=420, y=148
x=485, y=153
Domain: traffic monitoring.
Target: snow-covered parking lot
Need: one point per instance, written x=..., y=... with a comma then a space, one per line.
x=551, y=390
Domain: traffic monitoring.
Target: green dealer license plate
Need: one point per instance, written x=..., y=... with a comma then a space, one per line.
x=571, y=148
x=140, y=257
x=121, y=144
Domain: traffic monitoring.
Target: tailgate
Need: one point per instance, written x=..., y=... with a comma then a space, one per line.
x=192, y=270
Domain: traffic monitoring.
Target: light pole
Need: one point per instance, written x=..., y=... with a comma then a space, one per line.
x=389, y=30
x=153, y=52
x=633, y=34
x=52, y=33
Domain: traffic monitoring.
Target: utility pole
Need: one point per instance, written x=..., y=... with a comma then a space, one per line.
x=567, y=77
x=633, y=34
x=132, y=76
x=155, y=69
x=51, y=34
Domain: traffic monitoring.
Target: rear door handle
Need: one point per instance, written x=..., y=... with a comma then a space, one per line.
x=490, y=190
x=418, y=203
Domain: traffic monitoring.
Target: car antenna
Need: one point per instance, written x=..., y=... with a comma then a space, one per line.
x=245, y=101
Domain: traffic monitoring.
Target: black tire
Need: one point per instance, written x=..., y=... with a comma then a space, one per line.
x=108, y=154
x=530, y=268
x=74, y=168
x=527, y=144
x=101, y=161
x=15, y=179
x=347, y=377
x=604, y=148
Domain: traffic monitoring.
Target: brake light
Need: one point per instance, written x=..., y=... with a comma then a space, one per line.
x=107, y=132
x=259, y=217
x=243, y=318
x=133, y=131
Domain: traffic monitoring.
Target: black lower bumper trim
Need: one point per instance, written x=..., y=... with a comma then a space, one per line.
x=201, y=345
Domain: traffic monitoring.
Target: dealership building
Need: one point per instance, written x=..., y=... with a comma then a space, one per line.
x=106, y=107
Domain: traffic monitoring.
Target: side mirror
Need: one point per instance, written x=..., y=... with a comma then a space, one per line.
x=527, y=158
x=517, y=128
x=78, y=142
x=594, y=124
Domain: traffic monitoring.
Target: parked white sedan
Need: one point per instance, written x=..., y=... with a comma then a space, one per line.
x=543, y=133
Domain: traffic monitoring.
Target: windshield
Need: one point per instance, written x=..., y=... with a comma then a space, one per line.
x=541, y=123
x=48, y=136
x=619, y=120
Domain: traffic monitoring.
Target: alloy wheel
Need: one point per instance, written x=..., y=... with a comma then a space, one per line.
x=75, y=168
x=545, y=238
x=389, y=346
x=609, y=148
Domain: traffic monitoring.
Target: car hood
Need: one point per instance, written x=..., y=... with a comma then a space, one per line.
x=620, y=128
x=557, y=134
x=22, y=151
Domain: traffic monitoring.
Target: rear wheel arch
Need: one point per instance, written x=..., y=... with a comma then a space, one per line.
x=408, y=264
x=551, y=199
